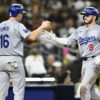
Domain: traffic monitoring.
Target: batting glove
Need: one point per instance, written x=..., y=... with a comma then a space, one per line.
x=97, y=60
x=48, y=35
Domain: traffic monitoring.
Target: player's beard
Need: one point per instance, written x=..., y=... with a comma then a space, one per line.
x=88, y=22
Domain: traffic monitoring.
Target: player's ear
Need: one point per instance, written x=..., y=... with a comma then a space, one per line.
x=94, y=17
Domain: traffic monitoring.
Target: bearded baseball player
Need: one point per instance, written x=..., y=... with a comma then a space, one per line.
x=88, y=39
x=12, y=33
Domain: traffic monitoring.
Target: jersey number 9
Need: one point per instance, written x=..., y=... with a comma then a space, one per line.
x=91, y=47
x=4, y=41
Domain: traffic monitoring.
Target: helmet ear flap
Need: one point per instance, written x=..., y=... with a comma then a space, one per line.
x=96, y=17
x=83, y=17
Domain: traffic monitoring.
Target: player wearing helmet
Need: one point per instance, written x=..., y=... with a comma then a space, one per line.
x=91, y=11
x=12, y=33
x=88, y=39
x=16, y=11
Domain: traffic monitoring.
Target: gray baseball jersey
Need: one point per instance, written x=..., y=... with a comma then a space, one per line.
x=89, y=46
x=12, y=34
x=88, y=40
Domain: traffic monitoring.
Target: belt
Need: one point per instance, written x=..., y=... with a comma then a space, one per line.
x=87, y=58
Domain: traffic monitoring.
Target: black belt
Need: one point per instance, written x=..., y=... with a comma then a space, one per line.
x=86, y=58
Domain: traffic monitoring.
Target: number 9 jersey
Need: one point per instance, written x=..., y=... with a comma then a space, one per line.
x=12, y=34
x=88, y=40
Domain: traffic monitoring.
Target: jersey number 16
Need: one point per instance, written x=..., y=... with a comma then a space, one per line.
x=3, y=41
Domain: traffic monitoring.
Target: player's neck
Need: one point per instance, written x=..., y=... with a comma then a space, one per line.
x=12, y=19
x=88, y=26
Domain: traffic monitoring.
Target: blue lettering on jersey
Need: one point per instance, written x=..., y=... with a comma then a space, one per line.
x=4, y=42
x=26, y=31
x=5, y=28
x=86, y=40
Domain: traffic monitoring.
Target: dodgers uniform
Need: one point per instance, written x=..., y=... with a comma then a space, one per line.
x=12, y=34
x=89, y=46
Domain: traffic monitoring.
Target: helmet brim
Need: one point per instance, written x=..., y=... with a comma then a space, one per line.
x=83, y=13
x=86, y=13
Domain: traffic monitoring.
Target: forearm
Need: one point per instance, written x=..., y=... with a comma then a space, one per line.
x=57, y=40
x=61, y=41
x=35, y=34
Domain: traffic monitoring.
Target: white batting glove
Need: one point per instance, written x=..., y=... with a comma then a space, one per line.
x=52, y=36
x=48, y=35
x=97, y=60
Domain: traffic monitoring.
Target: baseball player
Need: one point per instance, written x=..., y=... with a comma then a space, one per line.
x=88, y=39
x=12, y=33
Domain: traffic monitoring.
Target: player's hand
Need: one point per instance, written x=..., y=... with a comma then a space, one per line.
x=97, y=60
x=45, y=24
x=49, y=35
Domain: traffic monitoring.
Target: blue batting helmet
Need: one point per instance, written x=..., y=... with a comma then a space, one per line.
x=90, y=11
x=15, y=9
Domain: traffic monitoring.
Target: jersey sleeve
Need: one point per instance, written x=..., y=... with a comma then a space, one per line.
x=99, y=36
x=73, y=38
x=23, y=31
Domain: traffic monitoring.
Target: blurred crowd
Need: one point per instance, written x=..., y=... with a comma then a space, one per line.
x=43, y=58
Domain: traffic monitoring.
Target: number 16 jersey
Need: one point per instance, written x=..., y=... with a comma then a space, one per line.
x=12, y=34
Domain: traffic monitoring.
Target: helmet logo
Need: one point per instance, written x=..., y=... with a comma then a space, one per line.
x=17, y=8
x=88, y=10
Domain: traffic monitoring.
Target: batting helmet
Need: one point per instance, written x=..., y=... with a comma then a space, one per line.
x=90, y=11
x=15, y=9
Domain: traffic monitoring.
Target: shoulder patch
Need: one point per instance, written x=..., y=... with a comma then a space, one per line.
x=26, y=31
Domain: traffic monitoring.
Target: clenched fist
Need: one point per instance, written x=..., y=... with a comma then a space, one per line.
x=45, y=24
